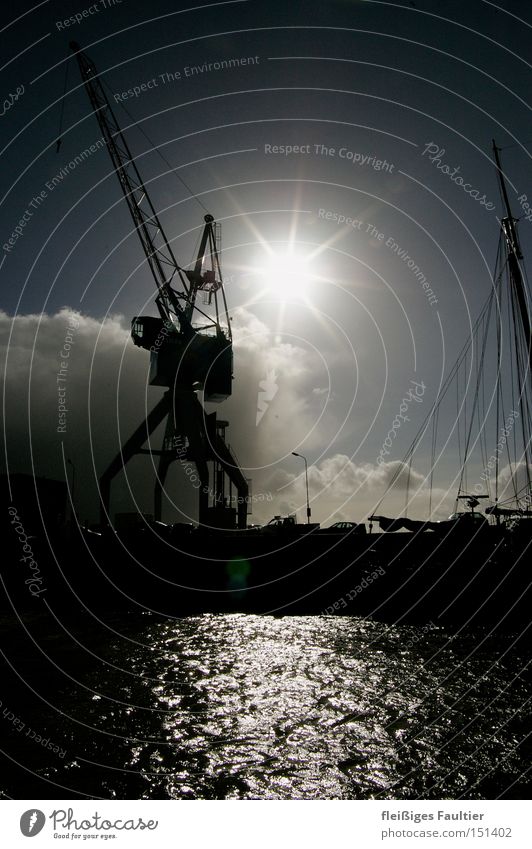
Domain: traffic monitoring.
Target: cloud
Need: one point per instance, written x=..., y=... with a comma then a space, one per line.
x=513, y=477
x=103, y=386
x=76, y=387
x=340, y=488
x=273, y=410
x=72, y=383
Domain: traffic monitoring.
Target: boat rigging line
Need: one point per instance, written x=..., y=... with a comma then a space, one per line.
x=508, y=306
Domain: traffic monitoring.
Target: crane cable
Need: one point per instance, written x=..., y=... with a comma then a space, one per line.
x=62, y=110
x=156, y=150
x=135, y=124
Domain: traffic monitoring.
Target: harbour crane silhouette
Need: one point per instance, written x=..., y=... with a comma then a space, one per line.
x=185, y=356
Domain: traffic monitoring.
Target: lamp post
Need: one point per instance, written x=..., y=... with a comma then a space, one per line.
x=295, y=454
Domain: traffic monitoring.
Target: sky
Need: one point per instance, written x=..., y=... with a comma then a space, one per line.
x=344, y=146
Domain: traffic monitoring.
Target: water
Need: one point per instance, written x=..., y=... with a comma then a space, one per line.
x=251, y=707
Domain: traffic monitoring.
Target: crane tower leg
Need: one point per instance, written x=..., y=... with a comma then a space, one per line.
x=188, y=424
x=131, y=447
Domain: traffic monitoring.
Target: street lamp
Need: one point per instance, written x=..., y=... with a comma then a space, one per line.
x=295, y=454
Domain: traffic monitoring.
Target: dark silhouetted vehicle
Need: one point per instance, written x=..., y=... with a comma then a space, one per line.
x=345, y=528
x=287, y=525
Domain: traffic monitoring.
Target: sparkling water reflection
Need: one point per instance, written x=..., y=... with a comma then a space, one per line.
x=314, y=708
x=258, y=707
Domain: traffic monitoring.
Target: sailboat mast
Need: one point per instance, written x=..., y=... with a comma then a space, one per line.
x=520, y=296
x=508, y=224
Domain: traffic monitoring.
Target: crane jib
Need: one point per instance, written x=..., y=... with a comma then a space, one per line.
x=176, y=308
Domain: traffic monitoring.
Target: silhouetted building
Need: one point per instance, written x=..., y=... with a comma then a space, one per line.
x=37, y=500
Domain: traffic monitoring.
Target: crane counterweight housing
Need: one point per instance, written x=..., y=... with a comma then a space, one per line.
x=203, y=361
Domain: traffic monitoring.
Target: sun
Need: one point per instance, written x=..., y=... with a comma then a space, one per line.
x=286, y=275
